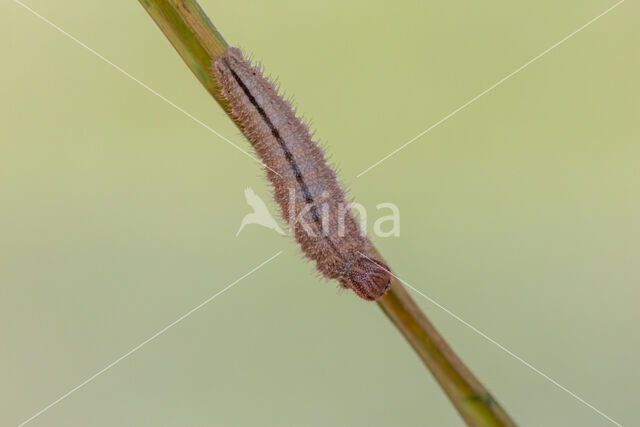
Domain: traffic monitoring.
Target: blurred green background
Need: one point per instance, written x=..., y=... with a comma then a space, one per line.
x=520, y=214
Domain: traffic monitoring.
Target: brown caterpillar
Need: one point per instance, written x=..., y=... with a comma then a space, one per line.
x=310, y=198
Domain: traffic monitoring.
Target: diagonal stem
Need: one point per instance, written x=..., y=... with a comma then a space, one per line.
x=474, y=403
x=198, y=42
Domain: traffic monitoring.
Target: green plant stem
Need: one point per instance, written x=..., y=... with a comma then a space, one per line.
x=474, y=403
x=198, y=42
x=193, y=36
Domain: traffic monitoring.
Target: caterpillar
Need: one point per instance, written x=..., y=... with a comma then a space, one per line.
x=305, y=187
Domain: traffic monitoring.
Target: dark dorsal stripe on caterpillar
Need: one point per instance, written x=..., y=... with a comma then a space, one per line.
x=310, y=198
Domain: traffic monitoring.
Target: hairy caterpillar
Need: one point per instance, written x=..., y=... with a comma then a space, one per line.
x=305, y=187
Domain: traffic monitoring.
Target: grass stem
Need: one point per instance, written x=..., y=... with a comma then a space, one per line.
x=198, y=42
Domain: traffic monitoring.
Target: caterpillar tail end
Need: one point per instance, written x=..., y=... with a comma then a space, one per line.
x=369, y=278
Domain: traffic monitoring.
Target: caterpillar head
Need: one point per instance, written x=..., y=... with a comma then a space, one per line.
x=369, y=278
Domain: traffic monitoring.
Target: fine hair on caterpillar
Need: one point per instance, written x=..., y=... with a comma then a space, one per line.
x=311, y=229
x=305, y=187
